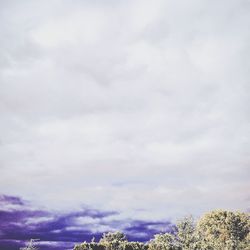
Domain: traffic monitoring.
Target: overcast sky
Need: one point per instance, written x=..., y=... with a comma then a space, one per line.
x=138, y=107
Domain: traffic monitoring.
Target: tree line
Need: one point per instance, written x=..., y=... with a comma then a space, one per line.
x=216, y=230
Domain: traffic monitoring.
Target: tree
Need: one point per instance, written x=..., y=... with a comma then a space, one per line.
x=113, y=236
x=186, y=233
x=31, y=245
x=164, y=241
x=90, y=246
x=134, y=245
x=113, y=240
x=216, y=230
x=223, y=230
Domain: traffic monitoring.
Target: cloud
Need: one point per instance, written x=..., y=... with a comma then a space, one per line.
x=137, y=107
x=20, y=221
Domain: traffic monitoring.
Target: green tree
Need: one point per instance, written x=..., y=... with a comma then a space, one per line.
x=113, y=236
x=113, y=241
x=225, y=230
x=133, y=245
x=31, y=245
x=164, y=241
x=186, y=233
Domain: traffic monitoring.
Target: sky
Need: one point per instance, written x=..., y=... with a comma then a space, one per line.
x=138, y=110
x=53, y=230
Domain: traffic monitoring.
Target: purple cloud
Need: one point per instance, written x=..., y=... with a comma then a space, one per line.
x=145, y=230
x=11, y=199
x=20, y=222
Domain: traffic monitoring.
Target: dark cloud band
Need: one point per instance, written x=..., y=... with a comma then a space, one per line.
x=20, y=222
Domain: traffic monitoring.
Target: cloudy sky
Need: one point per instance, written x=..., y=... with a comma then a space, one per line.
x=138, y=107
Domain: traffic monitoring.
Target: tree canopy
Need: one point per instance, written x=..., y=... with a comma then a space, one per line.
x=216, y=230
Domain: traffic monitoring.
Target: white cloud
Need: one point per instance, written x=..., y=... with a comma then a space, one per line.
x=126, y=105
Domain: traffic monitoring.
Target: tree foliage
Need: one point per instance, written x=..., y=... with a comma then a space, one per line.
x=30, y=246
x=223, y=230
x=186, y=233
x=112, y=241
x=164, y=241
x=216, y=230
